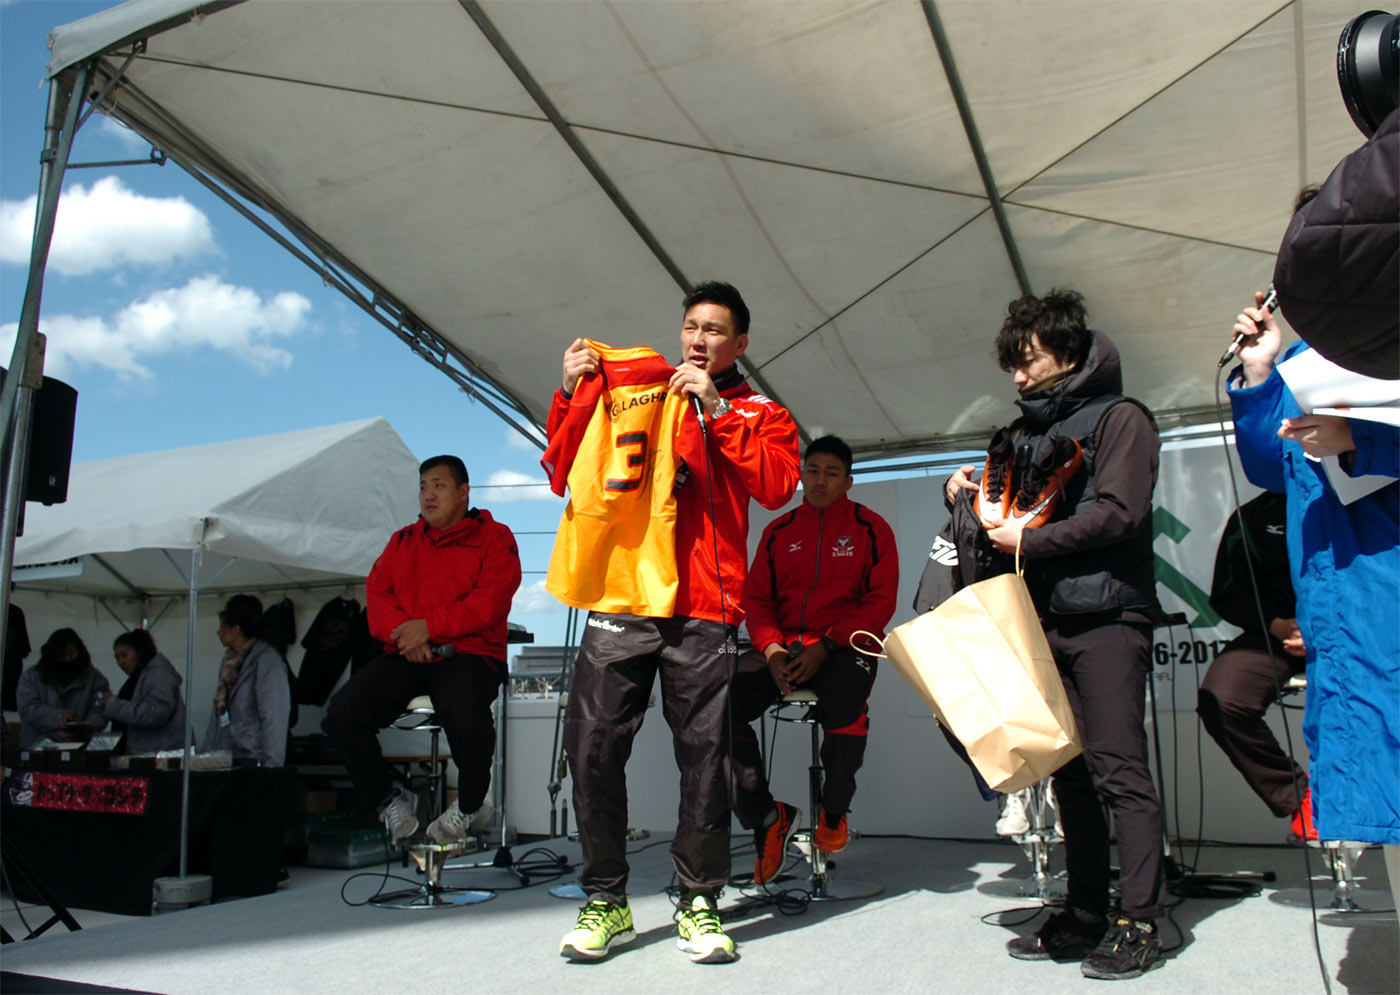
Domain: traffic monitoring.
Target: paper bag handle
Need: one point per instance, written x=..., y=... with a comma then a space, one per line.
x=873, y=638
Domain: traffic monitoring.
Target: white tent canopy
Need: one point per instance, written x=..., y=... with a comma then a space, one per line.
x=295, y=509
x=493, y=178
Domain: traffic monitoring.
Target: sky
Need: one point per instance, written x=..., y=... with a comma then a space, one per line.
x=179, y=323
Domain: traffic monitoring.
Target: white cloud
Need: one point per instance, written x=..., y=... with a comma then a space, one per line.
x=110, y=127
x=205, y=313
x=517, y=441
x=512, y=485
x=107, y=227
x=534, y=598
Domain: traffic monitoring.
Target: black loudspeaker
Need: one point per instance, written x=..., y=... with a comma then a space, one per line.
x=50, y=441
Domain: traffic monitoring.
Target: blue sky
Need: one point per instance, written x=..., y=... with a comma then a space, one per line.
x=179, y=323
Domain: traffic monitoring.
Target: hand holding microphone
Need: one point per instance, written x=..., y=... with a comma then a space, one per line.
x=1243, y=329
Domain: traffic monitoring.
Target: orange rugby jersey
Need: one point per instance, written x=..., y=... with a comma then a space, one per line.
x=618, y=449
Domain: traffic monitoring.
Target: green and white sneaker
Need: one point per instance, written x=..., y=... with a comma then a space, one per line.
x=701, y=935
x=601, y=926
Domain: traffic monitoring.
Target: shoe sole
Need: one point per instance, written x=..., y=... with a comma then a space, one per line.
x=1060, y=957
x=1089, y=972
x=582, y=955
x=716, y=956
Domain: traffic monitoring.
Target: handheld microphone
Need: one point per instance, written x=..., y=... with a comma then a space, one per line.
x=1268, y=306
x=443, y=650
x=700, y=415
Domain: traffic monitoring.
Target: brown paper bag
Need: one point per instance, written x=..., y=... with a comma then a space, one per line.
x=981, y=662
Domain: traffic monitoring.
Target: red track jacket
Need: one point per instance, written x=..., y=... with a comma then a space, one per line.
x=822, y=573
x=753, y=450
x=461, y=580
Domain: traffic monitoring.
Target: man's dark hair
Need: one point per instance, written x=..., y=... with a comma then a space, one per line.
x=244, y=611
x=1305, y=196
x=714, y=292
x=832, y=445
x=1057, y=320
x=454, y=465
x=141, y=644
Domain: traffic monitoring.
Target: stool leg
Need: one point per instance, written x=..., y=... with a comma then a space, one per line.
x=436, y=780
x=814, y=795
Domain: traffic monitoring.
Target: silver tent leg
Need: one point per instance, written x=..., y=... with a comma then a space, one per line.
x=58, y=143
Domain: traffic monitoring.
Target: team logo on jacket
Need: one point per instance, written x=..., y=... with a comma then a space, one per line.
x=843, y=547
x=943, y=552
x=794, y=547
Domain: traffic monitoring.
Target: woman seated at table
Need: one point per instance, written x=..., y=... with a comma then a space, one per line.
x=148, y=710
x=58, y=696
x=253, y=700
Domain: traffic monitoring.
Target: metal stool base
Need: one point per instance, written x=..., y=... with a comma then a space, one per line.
x=1340, y=857
x=430, y=858
x=431, y=898
x=821, y=886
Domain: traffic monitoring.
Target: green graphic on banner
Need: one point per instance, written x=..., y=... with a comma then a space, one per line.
x=1164, y=523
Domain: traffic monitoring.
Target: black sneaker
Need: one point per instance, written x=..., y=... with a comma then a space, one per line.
x=1063, y=937
x=1125, y=952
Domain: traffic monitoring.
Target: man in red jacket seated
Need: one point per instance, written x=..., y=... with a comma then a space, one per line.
x=438, y=599
x=822, y=572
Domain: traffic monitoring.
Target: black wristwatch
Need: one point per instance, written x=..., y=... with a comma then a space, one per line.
x=830, y=645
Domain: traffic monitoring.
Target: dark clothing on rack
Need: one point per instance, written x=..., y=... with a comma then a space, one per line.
x=327, y=645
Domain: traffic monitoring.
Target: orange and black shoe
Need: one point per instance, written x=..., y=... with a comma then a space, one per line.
x=993, y=499
x=830, y=838
x=1044, y=481
x=770, y=842
x=1302, y=824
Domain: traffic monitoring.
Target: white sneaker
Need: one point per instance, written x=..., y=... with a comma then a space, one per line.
x=453, y=825
x=1013, y=821
x=399, y=814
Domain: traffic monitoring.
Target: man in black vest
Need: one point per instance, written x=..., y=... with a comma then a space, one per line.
x=1089, y=570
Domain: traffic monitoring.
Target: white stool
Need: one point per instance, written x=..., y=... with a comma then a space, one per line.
x=823, y=888
x=421, y=716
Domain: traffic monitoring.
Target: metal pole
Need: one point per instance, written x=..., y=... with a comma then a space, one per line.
x=189, y=712
x=58, y=142
x=14, y=501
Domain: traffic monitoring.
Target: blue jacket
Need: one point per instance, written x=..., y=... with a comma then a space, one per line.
x=1345, y=566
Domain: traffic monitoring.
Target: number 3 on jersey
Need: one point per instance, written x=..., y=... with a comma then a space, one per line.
x=631, y=457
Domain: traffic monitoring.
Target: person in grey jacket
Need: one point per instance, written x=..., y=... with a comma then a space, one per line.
x=60, y=692
x=148, y=709
x=253, y=699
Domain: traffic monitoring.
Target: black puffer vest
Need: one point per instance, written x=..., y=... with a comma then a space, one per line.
x=1110, y=579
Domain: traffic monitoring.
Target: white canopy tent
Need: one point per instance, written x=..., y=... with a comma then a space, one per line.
x=298, y=509
x=490, y=178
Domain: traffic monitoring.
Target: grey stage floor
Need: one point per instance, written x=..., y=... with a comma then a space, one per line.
x=925, y=933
